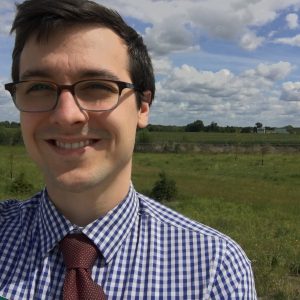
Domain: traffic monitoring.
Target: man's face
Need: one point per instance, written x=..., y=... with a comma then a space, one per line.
x=78, y=150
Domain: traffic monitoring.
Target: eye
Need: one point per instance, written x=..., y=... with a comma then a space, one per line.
x=39, y=87
x=98, y=86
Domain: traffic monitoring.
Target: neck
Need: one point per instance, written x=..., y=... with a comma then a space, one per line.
x=83, y=207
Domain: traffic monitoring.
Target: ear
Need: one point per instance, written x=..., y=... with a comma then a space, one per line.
x=143, y=114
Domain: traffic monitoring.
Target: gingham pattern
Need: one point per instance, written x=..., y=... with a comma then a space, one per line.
x=149, y=252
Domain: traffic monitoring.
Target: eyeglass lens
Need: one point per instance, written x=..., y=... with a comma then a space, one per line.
x=43, y=96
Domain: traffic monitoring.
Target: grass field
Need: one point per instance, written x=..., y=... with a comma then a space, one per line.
x=221, y=138
x=257, y=205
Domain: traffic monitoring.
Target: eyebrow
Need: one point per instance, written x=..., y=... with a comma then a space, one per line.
x=85, y=73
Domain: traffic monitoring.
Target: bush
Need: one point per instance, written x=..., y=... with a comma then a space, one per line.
x=164, y=188
x=144, y=136
x=20, y=185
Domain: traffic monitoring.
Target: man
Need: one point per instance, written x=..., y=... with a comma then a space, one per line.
x=83, y=82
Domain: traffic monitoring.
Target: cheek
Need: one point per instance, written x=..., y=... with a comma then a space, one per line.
x=124, y=121
x=124, y=136
x=26, y=127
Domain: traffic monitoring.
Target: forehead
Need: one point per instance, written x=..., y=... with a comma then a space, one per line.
x=69, y=51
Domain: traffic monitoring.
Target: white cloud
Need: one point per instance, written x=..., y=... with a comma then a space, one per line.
x=181, y=25
x=192, y=20
x=4, y=95
x=292, y=21
x=169, y=36
x=290, y=91
x=5, y=23
x=187, y=94
x=272, y=33
x=189, y=81
x=7, y=12
x=162, y=65
x=292, y=41
x=250, y=41
x=7, y=108
x=274, y=72
x=7, y=4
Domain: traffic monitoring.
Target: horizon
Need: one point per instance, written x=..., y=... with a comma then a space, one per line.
x=184, y=125
x=233, y=62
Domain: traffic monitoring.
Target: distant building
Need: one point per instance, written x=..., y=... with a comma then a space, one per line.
x=281, y=130
x=278, y=131
x=261, y=130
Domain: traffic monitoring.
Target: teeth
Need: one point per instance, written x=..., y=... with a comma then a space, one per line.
x=76, y=145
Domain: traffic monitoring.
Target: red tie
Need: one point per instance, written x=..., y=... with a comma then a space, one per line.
x=79, y=255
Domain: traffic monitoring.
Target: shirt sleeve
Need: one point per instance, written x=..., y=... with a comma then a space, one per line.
x=234, y=277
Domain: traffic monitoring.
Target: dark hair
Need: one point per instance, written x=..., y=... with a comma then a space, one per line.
x=42, y=17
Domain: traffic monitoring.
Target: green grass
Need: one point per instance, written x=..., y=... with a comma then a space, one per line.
x=257, y=205
x=222, y=138
x=13, y=162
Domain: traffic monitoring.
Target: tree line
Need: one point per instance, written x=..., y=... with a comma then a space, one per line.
x=198, y=126
x=10, y=133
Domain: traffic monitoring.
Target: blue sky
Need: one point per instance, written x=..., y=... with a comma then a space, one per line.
x=234, y=62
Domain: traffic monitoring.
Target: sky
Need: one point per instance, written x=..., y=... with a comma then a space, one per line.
x=233, y=62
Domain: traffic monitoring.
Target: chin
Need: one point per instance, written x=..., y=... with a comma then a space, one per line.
x=74, y=184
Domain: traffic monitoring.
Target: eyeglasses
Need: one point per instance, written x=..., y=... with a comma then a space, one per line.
x=90, y=95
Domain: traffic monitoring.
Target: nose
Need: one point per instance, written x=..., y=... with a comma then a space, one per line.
x=67, y=112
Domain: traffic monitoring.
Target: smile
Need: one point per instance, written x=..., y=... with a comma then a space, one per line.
x=75, y=145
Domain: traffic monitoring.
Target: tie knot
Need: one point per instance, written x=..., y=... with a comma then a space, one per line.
x=78, y=251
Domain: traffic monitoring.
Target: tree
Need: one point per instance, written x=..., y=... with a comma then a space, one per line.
x=259, y=125
x=164, y=188
x=290, y=129
x=144, y=136
x=4, y=136
x=14, y=125
x=213, y=127
x=248, y=129
x=195, y=126
x=17, y=138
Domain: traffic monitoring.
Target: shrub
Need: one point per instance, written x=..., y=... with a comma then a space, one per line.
x=144, y=136
x=164, y=188
x=20, y=185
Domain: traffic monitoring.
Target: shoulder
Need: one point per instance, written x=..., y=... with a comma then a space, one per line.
x=18, y=220
x=226, y=260
x=209, y=238
x=13, y=212
x=169, y=217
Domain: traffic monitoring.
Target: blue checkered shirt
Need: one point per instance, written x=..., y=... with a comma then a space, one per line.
x=148, y=252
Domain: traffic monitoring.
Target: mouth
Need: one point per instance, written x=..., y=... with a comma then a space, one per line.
x=72, y=145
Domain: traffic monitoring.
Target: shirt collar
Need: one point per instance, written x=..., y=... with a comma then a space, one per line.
x=53, y=226
x=108, y=232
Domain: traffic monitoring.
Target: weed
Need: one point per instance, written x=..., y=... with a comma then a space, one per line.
x=20, y=185
x=164, y=188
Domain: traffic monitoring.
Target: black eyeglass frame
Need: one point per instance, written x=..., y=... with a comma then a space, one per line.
x=11, y=88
